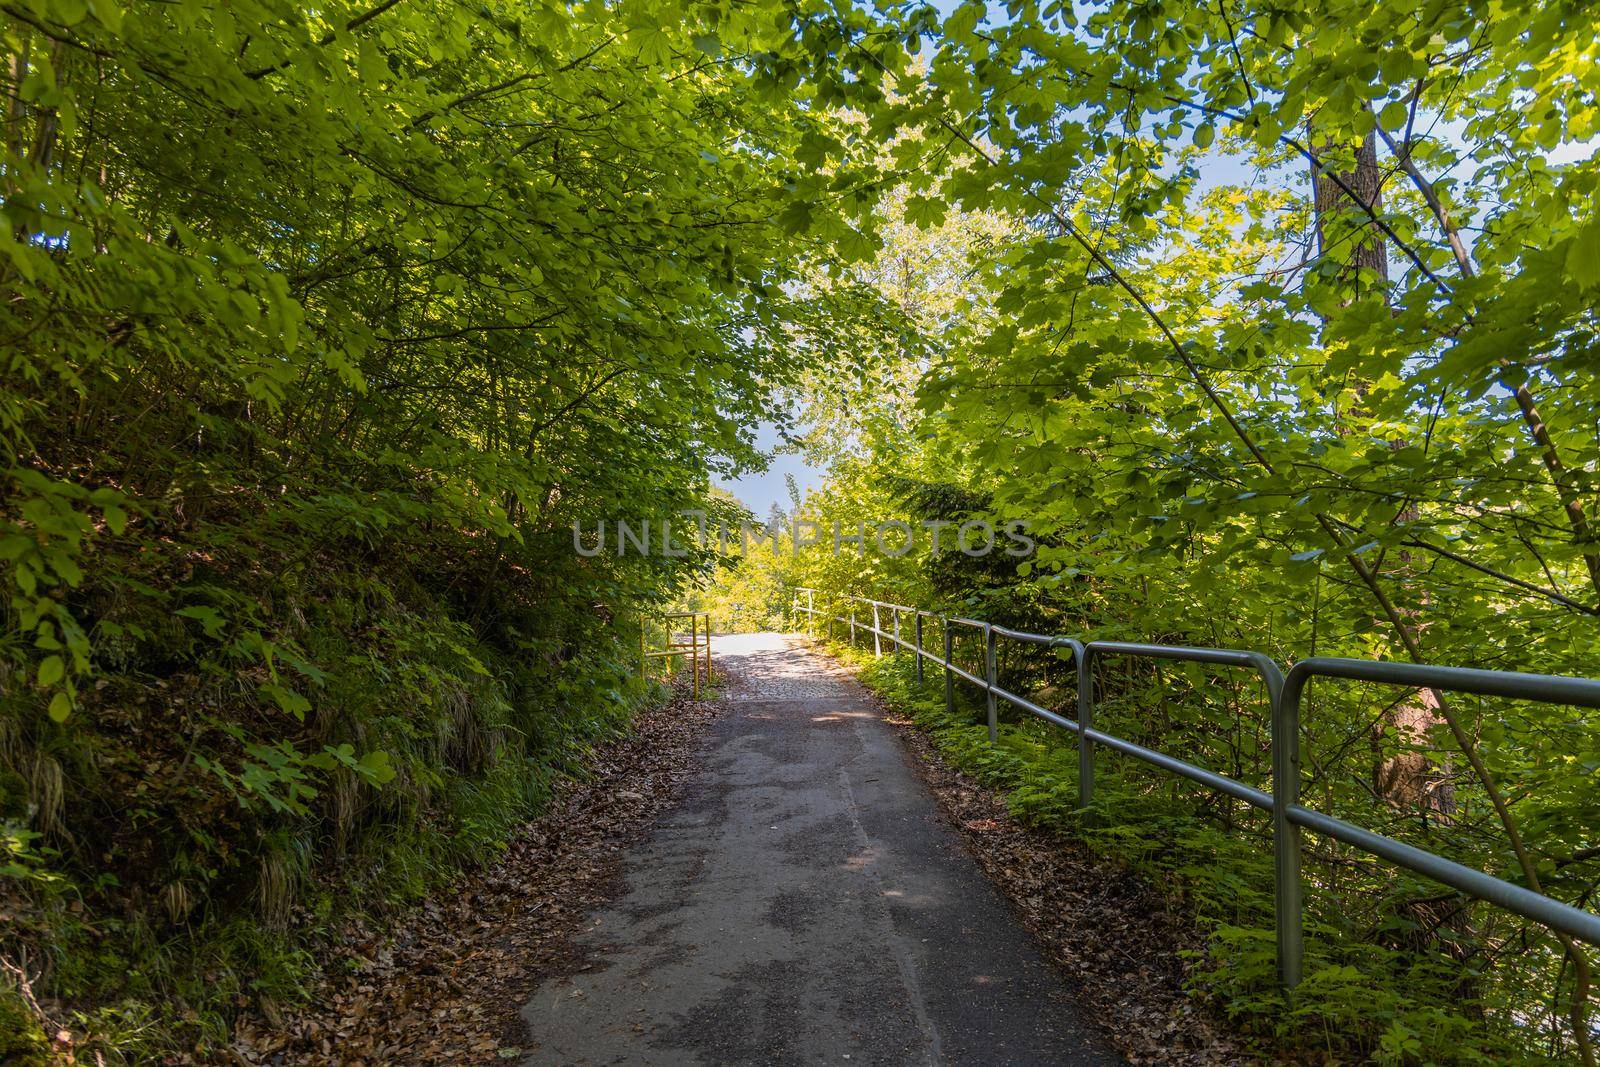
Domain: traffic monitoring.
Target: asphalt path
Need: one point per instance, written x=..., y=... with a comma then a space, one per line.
x=806, y=902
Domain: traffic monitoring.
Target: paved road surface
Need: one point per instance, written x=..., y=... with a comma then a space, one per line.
x=806, y=903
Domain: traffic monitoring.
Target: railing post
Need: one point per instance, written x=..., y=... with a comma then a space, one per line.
x=852, y=624
x=694, y=654
x=1085, y=667
x=919, y=647
x=949, y=676
x=877, y=632
x=990, y=671
x=1287, y=902
x=896, y=612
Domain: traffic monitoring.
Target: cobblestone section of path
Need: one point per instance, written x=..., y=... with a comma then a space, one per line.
x=806, y=903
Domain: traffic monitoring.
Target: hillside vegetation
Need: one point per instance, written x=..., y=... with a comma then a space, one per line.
x=320, y=330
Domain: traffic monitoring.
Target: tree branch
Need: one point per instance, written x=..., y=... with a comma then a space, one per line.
x=327, y=38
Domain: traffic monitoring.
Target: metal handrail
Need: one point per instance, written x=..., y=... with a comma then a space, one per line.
x=698, y=646
x=1284, y=692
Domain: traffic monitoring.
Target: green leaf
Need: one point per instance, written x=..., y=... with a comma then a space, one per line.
x=926, y=211
x=287, y=700
x=796, y=217
x=963, y=20
x=51, y=670
x=210, y=619
x=857, y=247
x=1583, y=256
x=376, y=768
x=69, y=12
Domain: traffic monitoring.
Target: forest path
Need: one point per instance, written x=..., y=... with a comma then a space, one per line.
x=806, y=902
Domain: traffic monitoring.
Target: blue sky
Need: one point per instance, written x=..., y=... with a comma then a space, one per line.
x=760, y=491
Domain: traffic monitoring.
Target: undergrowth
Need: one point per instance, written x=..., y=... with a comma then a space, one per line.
x=1360, y=999
x=215, y=841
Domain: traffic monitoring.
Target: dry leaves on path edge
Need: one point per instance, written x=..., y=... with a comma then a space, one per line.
x=444, y=982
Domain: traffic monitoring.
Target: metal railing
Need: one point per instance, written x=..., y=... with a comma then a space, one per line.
x=697, y=648
x=1284, y=691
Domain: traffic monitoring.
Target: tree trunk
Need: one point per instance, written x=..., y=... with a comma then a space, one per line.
x=1410, y=780
x=1329, y=201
